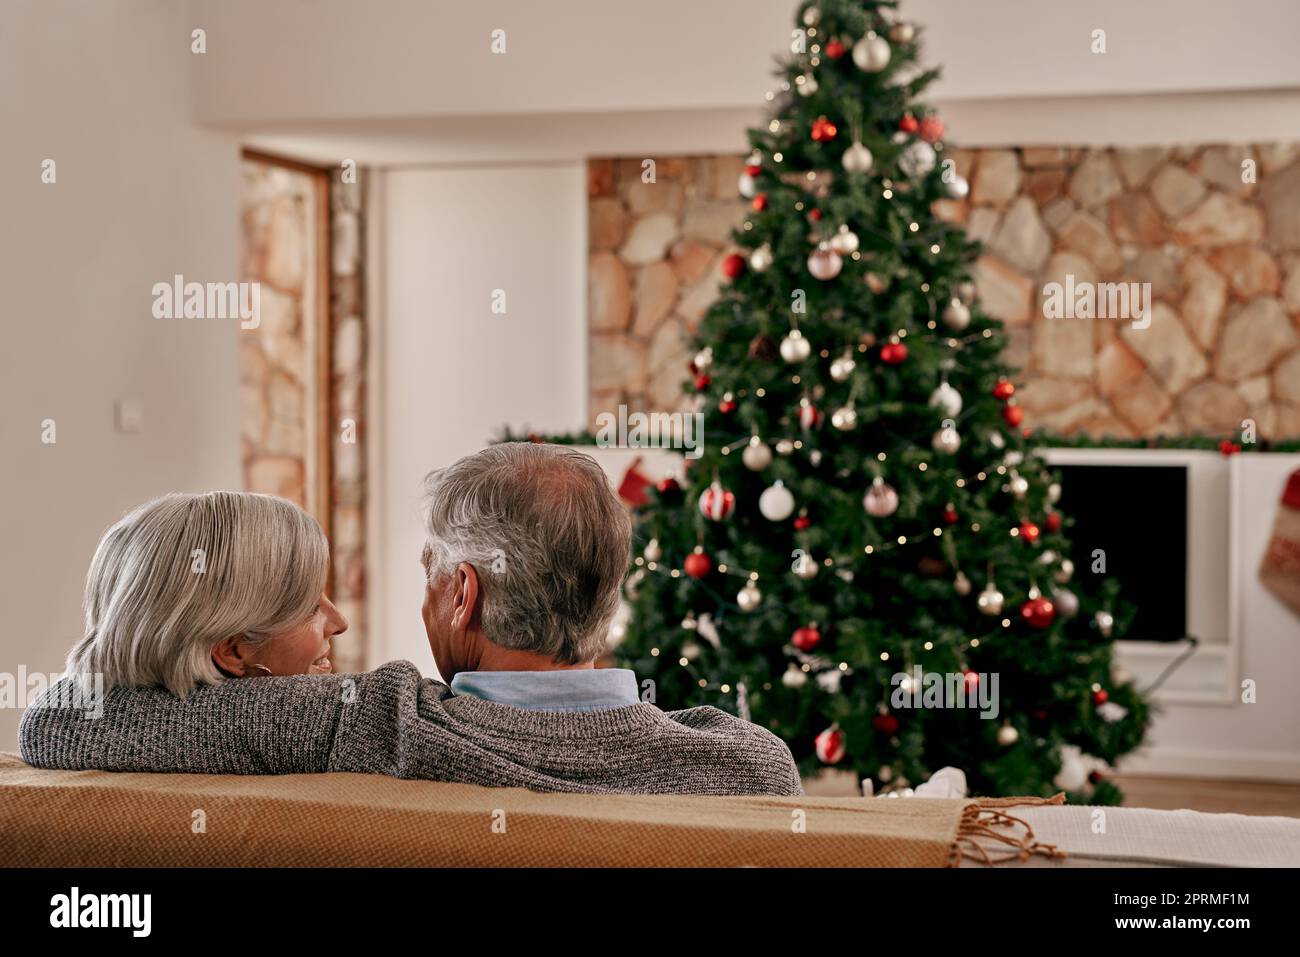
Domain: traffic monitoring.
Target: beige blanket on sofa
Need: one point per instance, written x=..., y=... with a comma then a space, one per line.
x=102, y=819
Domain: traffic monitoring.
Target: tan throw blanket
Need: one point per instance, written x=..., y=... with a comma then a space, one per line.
x=102, y=819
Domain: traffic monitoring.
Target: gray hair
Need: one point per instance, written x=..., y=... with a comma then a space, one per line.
x=179, y=574
x=548, y=538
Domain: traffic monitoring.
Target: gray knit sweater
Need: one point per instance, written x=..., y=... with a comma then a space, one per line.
x=392, y=721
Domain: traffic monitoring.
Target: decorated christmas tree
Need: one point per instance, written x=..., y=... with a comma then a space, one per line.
x=869, y=527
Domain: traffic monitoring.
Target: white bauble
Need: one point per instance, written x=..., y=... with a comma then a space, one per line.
x=844, y=242
x=795, y=348
x=902, y=32
x=776, y=503
x=956, y=315
x=805, y=566
x=946, y=440
x=946, y=400
x=961, y=584
x=1007, y=735
x=830, y=680
x=917, y=159
x=806, y=85
x=1065, y=572
x=824, y=262
x=1105, y=622
x=1073, y=774
x=757, y=455
x=746, y=186
x=871, y=53
x=958, y=187
x=653, y=552
x=1066, y=602
x=1054, y=492
x=1019, y=486
x=857, y=159
x=966, y=290
x=784, y=447
x=991, y=600
x=794, y=677
x=842, y=368
x=704, y=359
x=761, y=259
x=881, y=500
x=845, y=419
x=749, y=597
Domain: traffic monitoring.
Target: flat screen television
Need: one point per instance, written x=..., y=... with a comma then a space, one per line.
x=1136, y=517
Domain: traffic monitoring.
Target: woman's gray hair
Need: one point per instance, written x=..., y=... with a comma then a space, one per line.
x=181, y=573
x=548, y=538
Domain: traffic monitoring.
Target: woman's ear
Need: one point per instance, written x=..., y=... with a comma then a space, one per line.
x=228, y=656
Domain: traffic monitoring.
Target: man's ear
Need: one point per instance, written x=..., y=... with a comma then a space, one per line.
x=466, y=598
x=228, y=656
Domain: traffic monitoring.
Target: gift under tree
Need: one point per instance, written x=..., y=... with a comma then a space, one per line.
x=869, y=500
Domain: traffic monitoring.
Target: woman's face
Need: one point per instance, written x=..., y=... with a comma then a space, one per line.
x=303, y=649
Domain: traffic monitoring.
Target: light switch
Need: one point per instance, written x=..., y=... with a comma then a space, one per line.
x=130, y=416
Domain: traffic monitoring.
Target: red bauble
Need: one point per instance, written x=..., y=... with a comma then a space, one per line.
x=1228, y=447
x=1029, y=531
x=815, y=214
x=698, y=564
x=1053, y=522
x=1100, y=696
x=1094, y=777
x=806, y=638
x=809, y=415
x=893, y=353
x=885, y=724
x=908, y=124
x=733, y=266
x=716, y=503
x=668, y=485
x=759, y=202
x=801, y=523
x=829, y=745
x=702, y=382
x=823, y=130
x=931, y=129
x=727, y=406
x=1013, y=415
x=972, y=679
x=1004, y=390
x=1038, y=612
x=950, y=516
x=753, y=169
x=835, y=49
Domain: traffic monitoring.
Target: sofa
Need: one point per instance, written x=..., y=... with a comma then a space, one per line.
x=103, y=819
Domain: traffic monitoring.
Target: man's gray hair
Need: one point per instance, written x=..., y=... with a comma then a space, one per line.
x=179, y=574
x=548, y=538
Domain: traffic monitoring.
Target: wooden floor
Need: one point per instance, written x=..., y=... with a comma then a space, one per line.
x=1201, y=794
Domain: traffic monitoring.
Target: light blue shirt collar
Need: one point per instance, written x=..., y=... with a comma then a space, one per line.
x=578, y=689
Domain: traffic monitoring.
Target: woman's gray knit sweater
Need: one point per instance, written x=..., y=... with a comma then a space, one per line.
x=392, y=721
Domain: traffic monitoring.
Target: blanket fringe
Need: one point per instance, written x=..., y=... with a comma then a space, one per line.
x=976, y=836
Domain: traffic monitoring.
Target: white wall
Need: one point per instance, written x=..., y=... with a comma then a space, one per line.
x=451, y=373
x=101, y=89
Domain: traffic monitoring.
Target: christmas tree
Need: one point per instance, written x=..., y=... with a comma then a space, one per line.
x=868, y=502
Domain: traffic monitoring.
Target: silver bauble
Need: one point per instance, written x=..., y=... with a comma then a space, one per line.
x=805, y=567
x=1065, y=572
x=776, y=503
x=956, y=315
x=749, y=597
x=958, y=187
x=794, y=677
x=902, y=32
x=871, y=53
x=761, y=259
x=1066, y=602
x=990, y=600
x=1105, y=622
x=845, y=419
x=784, y=447
x=824, y=262
x=946, y=400
x=881, y=499
x=653, y=552
x=917, y=159
x=746, y=186
x=1019, y=486
x=842, y=368
x=857, y=159
x=795, y=348
x=1007, y=736
x=757, y=455
x=844, y=242
x=1054, y=492
x=946, y=440
x=961, y=584
x=704, y=359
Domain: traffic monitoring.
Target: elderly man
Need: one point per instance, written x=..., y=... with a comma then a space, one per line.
x=525, y=554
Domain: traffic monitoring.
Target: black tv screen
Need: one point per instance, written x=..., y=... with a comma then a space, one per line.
x=1136, y=515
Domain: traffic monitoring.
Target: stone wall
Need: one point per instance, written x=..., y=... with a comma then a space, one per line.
x=1222, y=255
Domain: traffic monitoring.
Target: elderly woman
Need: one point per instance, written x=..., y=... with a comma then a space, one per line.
x=206, y=622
